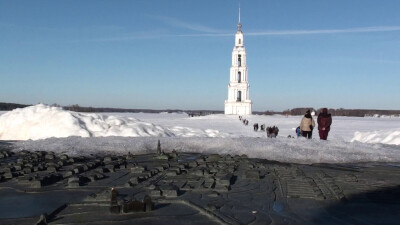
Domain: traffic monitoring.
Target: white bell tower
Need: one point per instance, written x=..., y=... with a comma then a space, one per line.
x=238, y=102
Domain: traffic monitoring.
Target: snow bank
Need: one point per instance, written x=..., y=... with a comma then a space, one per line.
x=391, y=136
x=280, y=149
x=42, y=121
x=193, y=132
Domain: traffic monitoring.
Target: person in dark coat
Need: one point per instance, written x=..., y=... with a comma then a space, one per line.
x=272, y=132
x=324, y=124
x=255, y=126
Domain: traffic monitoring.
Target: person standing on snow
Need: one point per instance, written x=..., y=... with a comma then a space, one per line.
x=324, y=124
x=307, y=125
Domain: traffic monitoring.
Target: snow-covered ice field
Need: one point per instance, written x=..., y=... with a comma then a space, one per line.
x=352, y=139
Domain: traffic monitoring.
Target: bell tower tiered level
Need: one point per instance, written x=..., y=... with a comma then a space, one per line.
x=238, y=102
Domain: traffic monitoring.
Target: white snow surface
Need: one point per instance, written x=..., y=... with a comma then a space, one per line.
x=391, y=136
x=49, y=128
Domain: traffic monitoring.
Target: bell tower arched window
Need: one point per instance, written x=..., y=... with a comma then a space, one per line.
x=239, y=41
x=239, y=77
x=239, y=60
x=239, y=96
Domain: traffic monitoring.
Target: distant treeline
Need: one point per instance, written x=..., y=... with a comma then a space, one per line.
x=10, y=106
x=293, y=112
x=343, y=112
x=78, y=108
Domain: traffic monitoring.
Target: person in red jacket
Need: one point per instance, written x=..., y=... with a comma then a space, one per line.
x=324, y=124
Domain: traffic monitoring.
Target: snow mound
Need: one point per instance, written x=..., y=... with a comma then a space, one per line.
x=43, y=121
x=193, y=132
x=391, y=136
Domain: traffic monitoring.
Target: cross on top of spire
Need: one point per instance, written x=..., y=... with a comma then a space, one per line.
x=239, y=26
x=239, y=12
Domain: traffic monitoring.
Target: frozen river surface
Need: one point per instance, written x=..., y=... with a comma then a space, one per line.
x=352, y=139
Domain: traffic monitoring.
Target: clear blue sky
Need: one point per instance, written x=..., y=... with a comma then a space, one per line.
x=176, y=54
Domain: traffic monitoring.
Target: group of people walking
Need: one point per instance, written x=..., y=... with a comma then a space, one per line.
x=271, y=131
x=245, y=121
x=307, y=125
